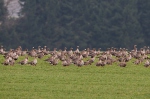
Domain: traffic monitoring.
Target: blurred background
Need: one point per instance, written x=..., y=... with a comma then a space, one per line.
x=69, y=23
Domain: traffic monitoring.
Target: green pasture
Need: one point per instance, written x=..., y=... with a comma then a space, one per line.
x=88, y=82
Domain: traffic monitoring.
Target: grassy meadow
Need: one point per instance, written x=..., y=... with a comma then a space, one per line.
x=88, y=82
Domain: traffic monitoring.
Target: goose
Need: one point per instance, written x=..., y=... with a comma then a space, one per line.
x=77, y=50
x=64, y=52
x=122, y=63
x=142, y=50
x=23, y=53
x=2, y=50
x=23, y=62
x=6, y=62
x=91, y=60
x=101, y=63
x=33, y=62
x=147, y=63
x=33, y=53
x=39, y=49
x=50, y=59
x=80, y=63
x=137, y=61
x=62, y=57
x=70, y=52
x=87, y=62
x=99, y=51
x=15, y=57
x=9, y=61
x=148, y=50
x=103, y=57
x=92, y=53
x=66, y=62
x=40, y=55
x=138, y=55
x=46, y=50
x=12, y=62
x=54, y=62
x=18, y=50
x=135, y=48
x=84, y=53
x=109, y=62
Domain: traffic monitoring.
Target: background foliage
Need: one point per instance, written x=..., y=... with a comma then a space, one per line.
x=87, y=23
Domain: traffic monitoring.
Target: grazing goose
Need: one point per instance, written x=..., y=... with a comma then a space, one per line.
x=122, y=63
x=147, y=63
x=12, y=62
x=33, y=62
x=23, y=53
x=91, y=60
x=50, y=59
x=62, y=57
x=101, y=63
x=103, y=57
x=40, y=55
x=6, y=62
x=23, y=62
x=137, y=62
x=54, y=62
x=68, y=57
x=66, y=62
x=87, y=63
x=109, y=62
x=80, y=63
x=15, y=57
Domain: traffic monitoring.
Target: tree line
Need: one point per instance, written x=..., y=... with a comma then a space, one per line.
x=68, y=23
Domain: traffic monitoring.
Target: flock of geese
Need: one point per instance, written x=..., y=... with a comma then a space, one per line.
x=79, y=58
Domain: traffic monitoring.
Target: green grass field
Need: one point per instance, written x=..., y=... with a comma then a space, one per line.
x=88, y=82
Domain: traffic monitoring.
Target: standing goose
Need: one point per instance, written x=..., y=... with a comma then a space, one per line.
x=77, y=50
